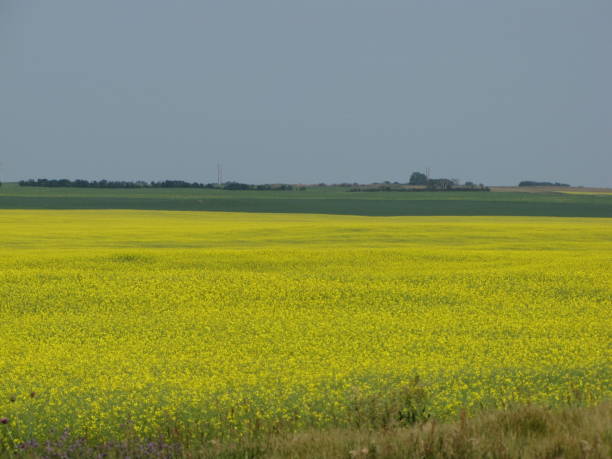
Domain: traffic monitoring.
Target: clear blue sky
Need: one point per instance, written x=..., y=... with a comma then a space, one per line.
x=306, y=91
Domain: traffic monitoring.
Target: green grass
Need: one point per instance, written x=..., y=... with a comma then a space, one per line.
x=319, y=200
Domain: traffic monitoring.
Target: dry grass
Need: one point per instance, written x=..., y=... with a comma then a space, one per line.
x=521, y=432
x=525, y=432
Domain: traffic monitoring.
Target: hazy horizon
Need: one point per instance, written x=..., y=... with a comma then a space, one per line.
x=321, y=91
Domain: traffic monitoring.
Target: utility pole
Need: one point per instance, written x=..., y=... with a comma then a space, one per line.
x=219, y=173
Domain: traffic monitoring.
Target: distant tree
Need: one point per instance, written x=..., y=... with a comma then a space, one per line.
x=418, y=178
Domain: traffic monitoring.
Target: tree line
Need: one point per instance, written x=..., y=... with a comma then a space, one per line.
x=80, y=183
x=532, y=183
x=416, y=179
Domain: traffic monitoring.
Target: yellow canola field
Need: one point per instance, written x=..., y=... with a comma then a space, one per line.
x=224, y=324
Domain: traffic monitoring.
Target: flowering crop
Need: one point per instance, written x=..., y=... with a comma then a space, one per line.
x=223, y=324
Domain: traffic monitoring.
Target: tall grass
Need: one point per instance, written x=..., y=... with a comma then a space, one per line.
x=527, y=431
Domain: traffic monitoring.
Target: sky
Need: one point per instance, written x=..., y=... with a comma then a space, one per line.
x=307, y=91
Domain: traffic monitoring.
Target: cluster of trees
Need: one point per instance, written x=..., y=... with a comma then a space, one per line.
x=532, y=183
x=453, y=185
x=79, y=183
x=444, y=184
x=265, y=187
x=418, y=178
x=433, y=185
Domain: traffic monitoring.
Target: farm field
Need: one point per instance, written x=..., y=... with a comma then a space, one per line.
x=217, y=326
x=316, y=200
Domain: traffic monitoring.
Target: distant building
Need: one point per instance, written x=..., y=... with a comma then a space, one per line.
x=440, y=184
